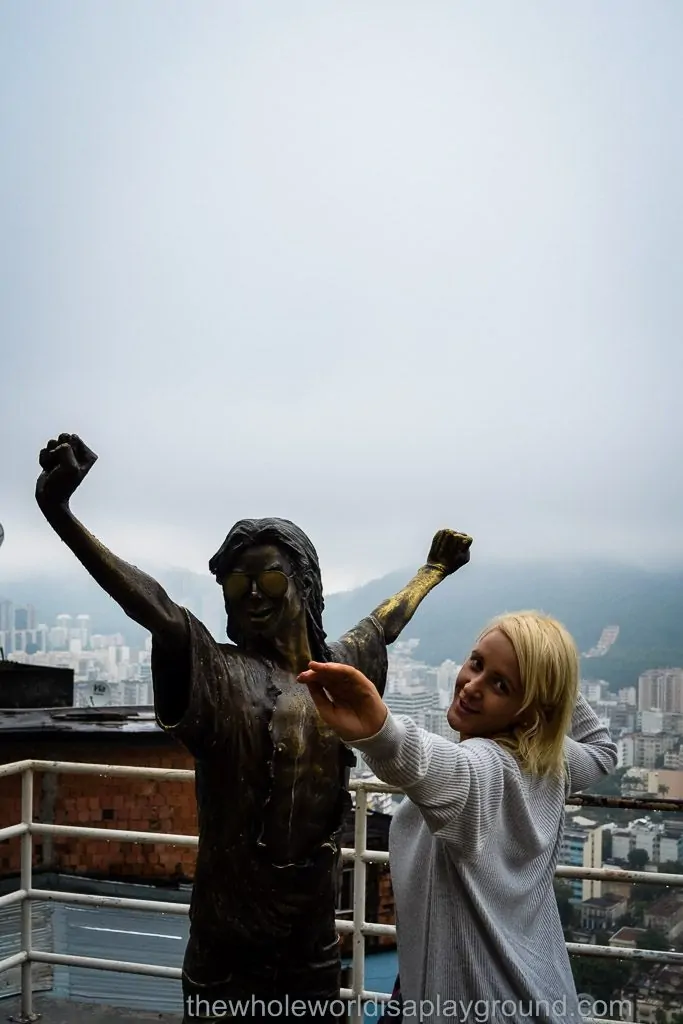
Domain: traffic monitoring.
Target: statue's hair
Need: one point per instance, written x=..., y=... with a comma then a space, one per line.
x=287, y=536
x=549, y=669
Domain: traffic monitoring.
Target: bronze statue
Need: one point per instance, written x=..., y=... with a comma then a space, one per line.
x=271, y=777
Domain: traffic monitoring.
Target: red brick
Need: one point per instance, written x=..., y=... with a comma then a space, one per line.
x=138, y=804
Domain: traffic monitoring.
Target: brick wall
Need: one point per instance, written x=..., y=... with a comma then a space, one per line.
x=386, y=908
x=124, y=803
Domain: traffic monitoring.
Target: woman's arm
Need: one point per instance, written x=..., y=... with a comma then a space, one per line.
x=458, y=787
x=591, y=753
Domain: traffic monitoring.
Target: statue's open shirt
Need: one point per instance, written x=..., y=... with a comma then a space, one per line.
x=271, y=794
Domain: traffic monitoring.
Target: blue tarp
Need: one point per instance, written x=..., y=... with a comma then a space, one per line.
x=380, y=974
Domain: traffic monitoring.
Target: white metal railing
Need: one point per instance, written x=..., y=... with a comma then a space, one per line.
x=26, y=894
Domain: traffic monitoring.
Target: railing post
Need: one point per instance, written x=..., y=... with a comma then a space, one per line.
x=26, y=882
x=359, y=881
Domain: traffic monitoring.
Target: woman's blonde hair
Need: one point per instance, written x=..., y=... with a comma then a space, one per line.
x=549, y=670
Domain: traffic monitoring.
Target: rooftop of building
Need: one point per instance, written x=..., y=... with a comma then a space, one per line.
x=665, y=906
x=583, y=822
x=603, y=902
x=8, y=666
x=25, y=721
x=628, y=934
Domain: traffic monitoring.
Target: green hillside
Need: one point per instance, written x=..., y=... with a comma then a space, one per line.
x=647, y=606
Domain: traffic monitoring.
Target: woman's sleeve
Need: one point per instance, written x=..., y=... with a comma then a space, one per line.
x=590, y=751
x=458, y=787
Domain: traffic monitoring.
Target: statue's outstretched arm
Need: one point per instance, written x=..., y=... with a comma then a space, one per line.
x=65, y=463
x=449, y=551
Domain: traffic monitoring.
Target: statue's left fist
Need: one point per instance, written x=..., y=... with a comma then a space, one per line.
x=449, y=551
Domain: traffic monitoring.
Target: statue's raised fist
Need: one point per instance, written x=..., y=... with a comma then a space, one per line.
x=449, y=551
x=65, y=463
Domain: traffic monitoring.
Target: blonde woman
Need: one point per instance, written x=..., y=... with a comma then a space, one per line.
x=474, y=847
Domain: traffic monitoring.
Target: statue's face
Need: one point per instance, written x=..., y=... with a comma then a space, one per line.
x=260, y=592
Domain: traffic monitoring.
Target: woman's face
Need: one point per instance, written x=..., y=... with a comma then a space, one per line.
x=488, y=691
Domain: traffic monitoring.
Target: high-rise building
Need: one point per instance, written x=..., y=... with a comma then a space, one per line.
x=594, y=690
x=661, y=689
x=582, y=847
x=446, y=674
x=6, y=616
x=642, y=750
x=435, y=721
x=413, y=704
x=25, y=618
x=83, y=630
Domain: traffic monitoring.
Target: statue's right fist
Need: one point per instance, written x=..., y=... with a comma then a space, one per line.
x=65, y=462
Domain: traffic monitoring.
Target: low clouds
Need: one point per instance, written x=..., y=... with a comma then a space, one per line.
x=372, y=267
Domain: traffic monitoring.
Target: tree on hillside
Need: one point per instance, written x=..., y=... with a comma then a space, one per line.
x=564, y=894
x=653, y=939
x=600, y=976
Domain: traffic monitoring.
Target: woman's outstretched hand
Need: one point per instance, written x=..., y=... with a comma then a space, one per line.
x=346, y=700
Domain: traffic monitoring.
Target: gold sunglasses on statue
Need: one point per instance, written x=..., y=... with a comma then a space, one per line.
x=271, y=582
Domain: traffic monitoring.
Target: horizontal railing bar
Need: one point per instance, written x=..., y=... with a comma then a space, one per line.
x=626, y=802
x=602, y=1020
x=373, y=786
x=368, y=928
x=623, y=953
x=370, y=856
x=15, y=767
x=376, y=857
x=369, y=785
x=111, y=835
x=13, y=897
x=112, y=770
x=378, y=929
x=619, y=875
x=13, y=961
x=348, y=993
x=10, y=831
x=98, y=964
x=120, y=902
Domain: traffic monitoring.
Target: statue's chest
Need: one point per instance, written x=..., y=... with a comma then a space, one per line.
x=298, y=734
x=305, y=777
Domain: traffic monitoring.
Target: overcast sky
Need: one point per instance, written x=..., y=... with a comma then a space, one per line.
x=377, y=267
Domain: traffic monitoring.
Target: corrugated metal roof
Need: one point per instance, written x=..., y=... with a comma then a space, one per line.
x=133, y=936
x=10, y=943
